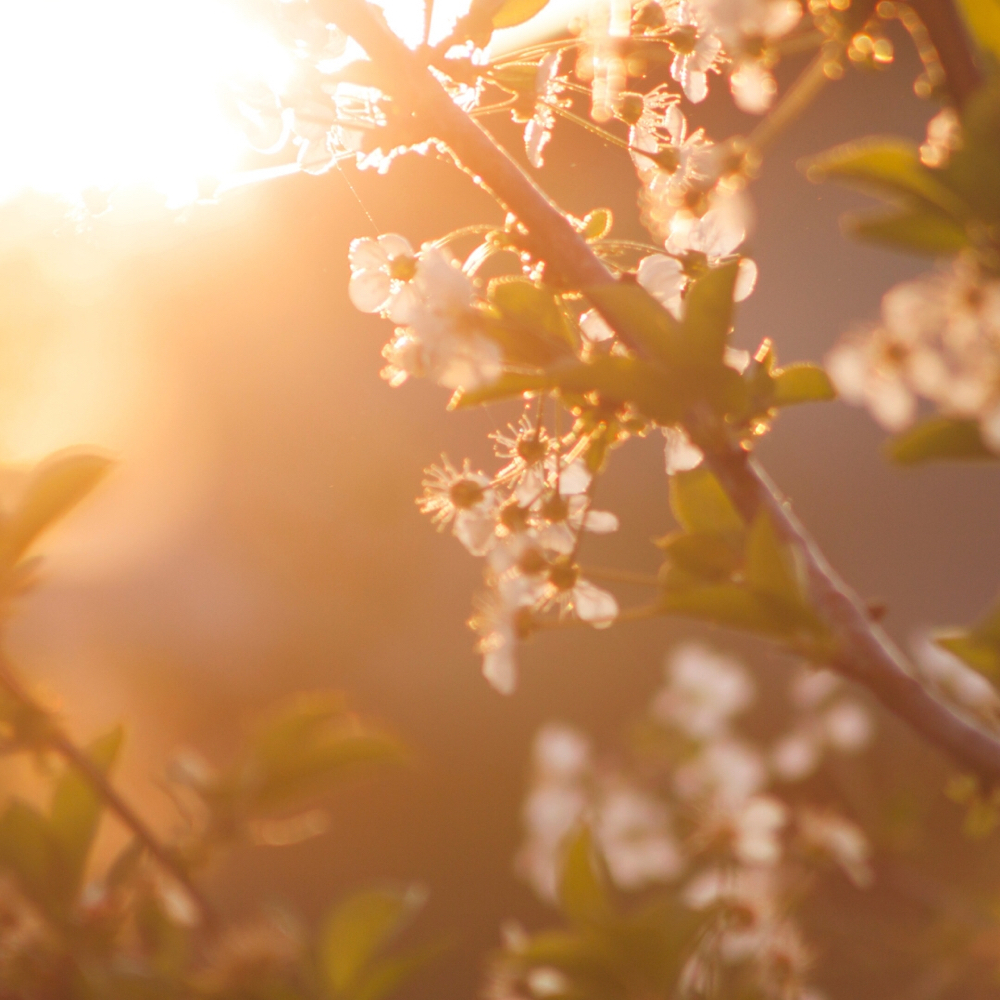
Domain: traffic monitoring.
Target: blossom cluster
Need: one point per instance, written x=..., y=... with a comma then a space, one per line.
x=710, y=819
x=526, y=522
x=938, y=340
x=333, y=111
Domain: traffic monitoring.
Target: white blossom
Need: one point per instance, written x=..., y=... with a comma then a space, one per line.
x=463, y=499
x=841, y=839
x=703, y=692
x=939, y=339
x=633, y=831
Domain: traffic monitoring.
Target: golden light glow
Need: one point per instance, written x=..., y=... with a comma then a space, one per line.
x=112, y=94
x=115, y=93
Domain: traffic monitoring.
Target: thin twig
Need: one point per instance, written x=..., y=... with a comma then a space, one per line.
x=863, y=651
x=795, y=100
x=58, y=741
x=948, y=36
x=620, y=576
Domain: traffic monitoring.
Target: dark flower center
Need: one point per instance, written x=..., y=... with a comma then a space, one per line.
x=465, y=493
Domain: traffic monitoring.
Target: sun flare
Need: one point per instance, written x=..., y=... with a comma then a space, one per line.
x=114, y=93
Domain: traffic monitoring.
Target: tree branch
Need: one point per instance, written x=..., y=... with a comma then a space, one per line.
x=947, y=33
x=58, y=741
x=864, y=652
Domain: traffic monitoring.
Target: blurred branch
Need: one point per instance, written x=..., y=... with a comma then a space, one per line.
x=56, y=740
x=863, y=651
x=951, y=40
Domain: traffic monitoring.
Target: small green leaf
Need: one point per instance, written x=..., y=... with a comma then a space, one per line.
x=29, y=851
x=735, y=607
x=76, y=807
x=980, y=654
x=583, y=892
x=386, y=975
x=801, y=383
x=534, y=329
x=307, y=745
x=707, y=557
x=918, y=230
x=700, y=504
x=979, y=646
x=508, y=386
x=597, y=224
x=771, y=567
x=516, y=78
x=359, y=928
x=708, y=315
x=514, y=12
x=939, y=438
x=983, y=19
x=55, y=487
x=889, y=168
x=630, y=307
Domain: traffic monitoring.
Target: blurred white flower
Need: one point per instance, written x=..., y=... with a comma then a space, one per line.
x=633, y=831
x=561, y=752
x=725, y=773
x=756, y=829
x=703, y=691
x=842, y=840
x=939, y=338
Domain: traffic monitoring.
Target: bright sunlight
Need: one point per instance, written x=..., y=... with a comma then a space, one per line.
x=114, y=93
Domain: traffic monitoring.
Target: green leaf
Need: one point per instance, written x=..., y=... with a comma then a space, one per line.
x=55, y=487
x=983, y=19
x=508, y=386
x=733, y=607
x=359, y=928
x=308, y=744
x=533, y=327
x=652, y=390
x=771, y=567
x=708, y=557
x=939, y=438
x=801, y=383
x=386, y=975
x=76, y=807
x=583, y=891
x=889, y=168
x=629, y=306
x=597, y=224
x=981, y=654
x=700, y=504
x=972, y=169
x=514, y=12
x=917, y=230
x=979, y=646
x=29, y=850
x=708, y=315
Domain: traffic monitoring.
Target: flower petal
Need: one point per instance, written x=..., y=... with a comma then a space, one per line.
x=369, y=290
x=394, y=245
x=746, y=279
x=661, y=276
x=594, y=605
x=600, y=522
x=366, y=255
x=500, y=669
